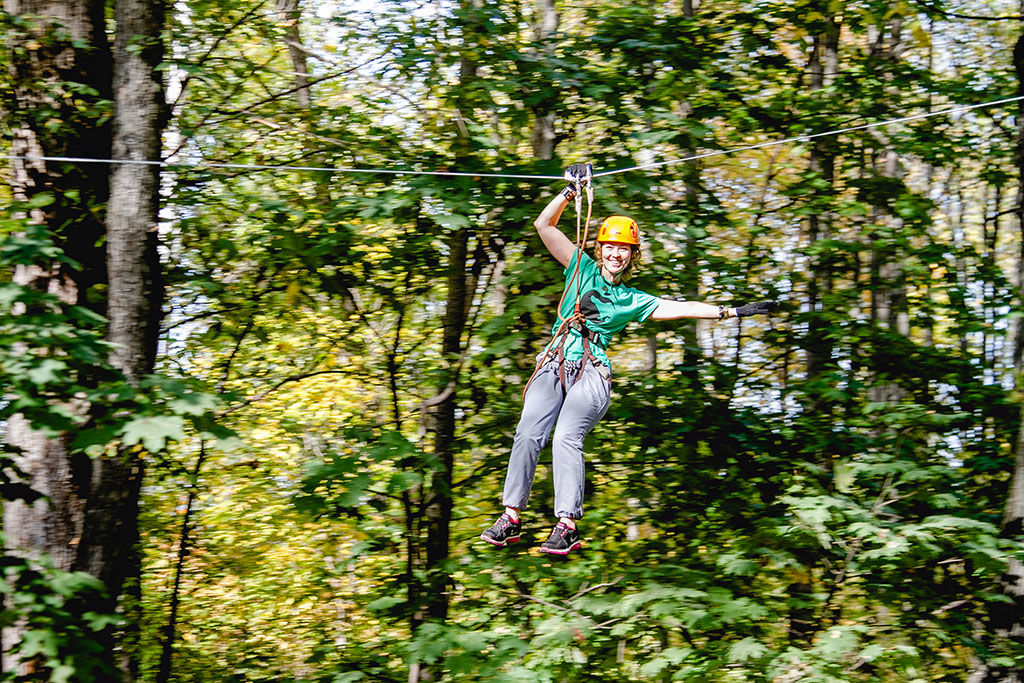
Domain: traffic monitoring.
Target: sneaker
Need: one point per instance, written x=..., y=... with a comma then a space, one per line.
x=506, y=530
x=562, y=541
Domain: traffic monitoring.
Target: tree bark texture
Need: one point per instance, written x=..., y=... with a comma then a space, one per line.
x=39, y=78
x=135, y=295
x=289, y=10
x=135, y=289
x=44, y=59
x=88, y=518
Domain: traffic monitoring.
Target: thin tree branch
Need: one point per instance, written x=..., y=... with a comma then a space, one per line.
x=277, y=385
x=228, y=115
x=245, y=17
x=168, y=631
x=199, y=316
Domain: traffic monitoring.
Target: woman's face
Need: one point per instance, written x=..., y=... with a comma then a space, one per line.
x=615, y=257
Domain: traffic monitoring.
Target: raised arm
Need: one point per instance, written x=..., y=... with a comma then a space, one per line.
x=670, y=309
x=560, y=246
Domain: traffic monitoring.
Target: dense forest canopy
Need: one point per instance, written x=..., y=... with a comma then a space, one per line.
x=264, y=357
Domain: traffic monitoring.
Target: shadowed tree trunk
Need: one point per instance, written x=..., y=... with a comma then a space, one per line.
x=430, y=550
x=88, y=520
x=70, y=50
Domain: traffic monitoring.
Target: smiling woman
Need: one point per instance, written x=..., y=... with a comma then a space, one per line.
x=571, y=388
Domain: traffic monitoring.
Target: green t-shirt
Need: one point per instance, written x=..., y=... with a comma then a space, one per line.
x=607, y=307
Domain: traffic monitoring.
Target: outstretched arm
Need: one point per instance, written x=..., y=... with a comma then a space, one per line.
x=560, y=246
x=670, y=309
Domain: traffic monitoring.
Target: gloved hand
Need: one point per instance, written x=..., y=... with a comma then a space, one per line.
x=578, y=176
x=756, y=309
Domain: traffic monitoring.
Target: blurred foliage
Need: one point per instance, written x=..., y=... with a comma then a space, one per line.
x=63, y=637
x=746, y=520
x=749, y=517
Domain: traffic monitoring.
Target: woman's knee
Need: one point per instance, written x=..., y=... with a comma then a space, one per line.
x=569, y=438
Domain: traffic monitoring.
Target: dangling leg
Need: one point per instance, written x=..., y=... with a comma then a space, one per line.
x=541, y=404
x=586, y=403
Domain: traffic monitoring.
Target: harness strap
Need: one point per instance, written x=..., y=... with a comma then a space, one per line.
x=577, y=317
x=558, y=350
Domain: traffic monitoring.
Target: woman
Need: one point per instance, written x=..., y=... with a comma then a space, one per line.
x=571, y=387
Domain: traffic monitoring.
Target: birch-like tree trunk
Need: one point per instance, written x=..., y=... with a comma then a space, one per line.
x=134, y=297
x=543, y=138
x=289, y=10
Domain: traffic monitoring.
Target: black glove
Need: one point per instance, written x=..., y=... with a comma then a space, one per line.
x=578, y=175
x=755, y=309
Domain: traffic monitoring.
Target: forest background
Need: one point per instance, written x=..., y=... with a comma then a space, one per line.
x=260, y=387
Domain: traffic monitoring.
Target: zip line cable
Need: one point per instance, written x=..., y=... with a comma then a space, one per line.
x=515, y=176
x=268, y=167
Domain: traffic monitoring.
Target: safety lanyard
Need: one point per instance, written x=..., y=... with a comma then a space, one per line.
x=576, y=319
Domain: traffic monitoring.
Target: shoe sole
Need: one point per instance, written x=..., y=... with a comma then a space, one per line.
x=552, y=551
x=501, y=544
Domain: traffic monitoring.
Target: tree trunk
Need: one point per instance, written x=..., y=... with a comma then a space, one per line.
x=543, y=137
x=52, y=526
x=134, y=300
x=136, y=292
x=822, y=68
x=289, y=10
x=89, y=522
x=437, y=513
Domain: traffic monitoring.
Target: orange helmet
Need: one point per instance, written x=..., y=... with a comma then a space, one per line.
x=619, y=229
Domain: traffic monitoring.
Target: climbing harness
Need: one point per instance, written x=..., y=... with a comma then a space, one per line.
x=576, y=320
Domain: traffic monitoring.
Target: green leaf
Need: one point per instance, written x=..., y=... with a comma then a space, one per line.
x=153, y=432
x=384, y=603
x=403, y=481
x=48, y=370
x=38, y=642
x=194, y=403
x=736, y=564
x=63, y=673
x=41, y=199
x=748, y=648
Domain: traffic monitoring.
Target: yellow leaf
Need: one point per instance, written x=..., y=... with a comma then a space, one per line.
x=292, y=293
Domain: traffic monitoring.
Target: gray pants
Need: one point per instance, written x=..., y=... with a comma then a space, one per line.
x=572, y=414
